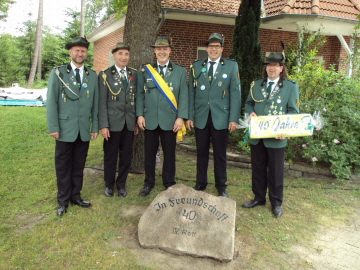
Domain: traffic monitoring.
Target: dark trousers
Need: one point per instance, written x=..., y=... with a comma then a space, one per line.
x=168, y=144
x=219, y=139
x=268, y=172
x=70, y=158
x=118, y=145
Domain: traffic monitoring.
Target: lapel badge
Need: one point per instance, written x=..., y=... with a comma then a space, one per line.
x=224, y=76
x=87, y=72
x=203, y=70
x=222, y=62
x=129, y=72
x=204, y=63
x=68, y=70
x=143, y=70
x=74, y=83
x=202, y=87
x=113, y=71
x=278, y=100
x=220, y=84
x=170, y=68
x=84, y=85
x=116, y=83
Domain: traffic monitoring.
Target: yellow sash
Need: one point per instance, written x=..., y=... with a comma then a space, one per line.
x=165, y=90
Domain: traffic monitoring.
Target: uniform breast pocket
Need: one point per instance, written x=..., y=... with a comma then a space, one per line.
x=150, y=84
x=63, y=116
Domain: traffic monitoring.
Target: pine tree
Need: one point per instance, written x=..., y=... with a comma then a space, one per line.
x=246, y=46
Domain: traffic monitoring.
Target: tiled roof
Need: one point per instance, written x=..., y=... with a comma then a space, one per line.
x=213, y=6
x=348, y=9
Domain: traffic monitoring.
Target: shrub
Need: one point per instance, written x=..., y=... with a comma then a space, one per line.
x=337, y=97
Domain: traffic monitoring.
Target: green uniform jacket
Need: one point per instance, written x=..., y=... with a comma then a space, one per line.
x=117, y=105
x=151, y=104
x=72, y=114
x=283, y=100
x=221, y=97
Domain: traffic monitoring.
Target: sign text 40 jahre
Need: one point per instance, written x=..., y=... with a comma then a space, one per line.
x=289, y=125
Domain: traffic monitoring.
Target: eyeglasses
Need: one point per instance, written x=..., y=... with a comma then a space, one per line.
x=214, y=46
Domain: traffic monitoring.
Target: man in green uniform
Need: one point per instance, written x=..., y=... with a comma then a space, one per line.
x=214, y=110
x=161, y=107
x=72, y=115
x=117, y=86
x=274, y=94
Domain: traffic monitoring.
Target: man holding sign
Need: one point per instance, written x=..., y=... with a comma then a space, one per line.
x=272, y=95
x=161, y=106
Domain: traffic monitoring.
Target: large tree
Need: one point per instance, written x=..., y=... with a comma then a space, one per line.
x=246, y=45
x=141, y=24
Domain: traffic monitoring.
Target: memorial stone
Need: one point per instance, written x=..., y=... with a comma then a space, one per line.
x=181, y=220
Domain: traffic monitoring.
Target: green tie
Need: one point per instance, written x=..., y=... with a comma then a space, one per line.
x=211, y=71
x=268, y=89
x=162, y=70
x=77, y=75
x=123, y=79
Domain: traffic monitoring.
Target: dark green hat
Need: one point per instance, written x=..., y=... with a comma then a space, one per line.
x=274, y=57
x=121, y=45
x=77, y=41
x=215, y=37
x=162, y=42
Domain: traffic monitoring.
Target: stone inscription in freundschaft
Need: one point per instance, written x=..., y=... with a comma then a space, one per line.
x=181, y=220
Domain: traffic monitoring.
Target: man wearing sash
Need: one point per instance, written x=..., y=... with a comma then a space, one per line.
x=161, y=107
x=117, y=86
x=274, y=94
x=214, y=110
x=72, y=116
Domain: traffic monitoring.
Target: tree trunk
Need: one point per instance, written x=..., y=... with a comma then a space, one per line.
x=140, y=32
x=39, y=27
x=39, y=62
x=82, y=28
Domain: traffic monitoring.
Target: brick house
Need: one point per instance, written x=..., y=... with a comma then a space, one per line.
x=190, y=23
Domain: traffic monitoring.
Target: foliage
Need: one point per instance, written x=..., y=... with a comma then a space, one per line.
x=246, y=45
x=120, y=6
x=4, y=7
x=338, y=99
x=302, y=53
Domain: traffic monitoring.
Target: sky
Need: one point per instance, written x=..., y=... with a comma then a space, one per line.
x=54, y=14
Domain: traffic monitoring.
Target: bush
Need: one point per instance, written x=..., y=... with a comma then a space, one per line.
x=337, y=97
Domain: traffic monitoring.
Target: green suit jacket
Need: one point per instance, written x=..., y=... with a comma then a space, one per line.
x=151, y=104
x=283, y=100
x=221, y=97
x=76, y=111
x=117, y=104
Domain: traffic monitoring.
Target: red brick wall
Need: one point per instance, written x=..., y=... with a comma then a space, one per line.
x=188, y=36
x=103, y=47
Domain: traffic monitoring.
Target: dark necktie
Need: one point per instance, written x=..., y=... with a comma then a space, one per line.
x=162, y=70
x=268, y=89
x=211, y=71
x=77, y=75
x=123, y=79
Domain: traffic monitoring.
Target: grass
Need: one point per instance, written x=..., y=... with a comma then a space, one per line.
x=33, y=237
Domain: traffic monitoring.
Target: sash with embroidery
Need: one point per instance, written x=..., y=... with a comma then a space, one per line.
x=166, y=92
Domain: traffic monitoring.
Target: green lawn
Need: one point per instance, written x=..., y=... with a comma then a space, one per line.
x=33, y=237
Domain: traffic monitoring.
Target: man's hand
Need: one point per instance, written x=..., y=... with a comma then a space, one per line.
x=94, y=135
x=189, y=124
x=178, y=124
x=282, y=137
x=232, y=126
x=105, y=132
x=141, y=122
x=55, y=135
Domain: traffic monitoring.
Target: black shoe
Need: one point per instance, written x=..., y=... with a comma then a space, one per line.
x=109, y=192
x=277, y=211
x=223, y=194
x=81, y=203
x=198, y=187
x=122, y=192
x=145, y=191
x=61, y=210
x=252, y=204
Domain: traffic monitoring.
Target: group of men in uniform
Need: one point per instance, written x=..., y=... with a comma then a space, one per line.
x=158, y=100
